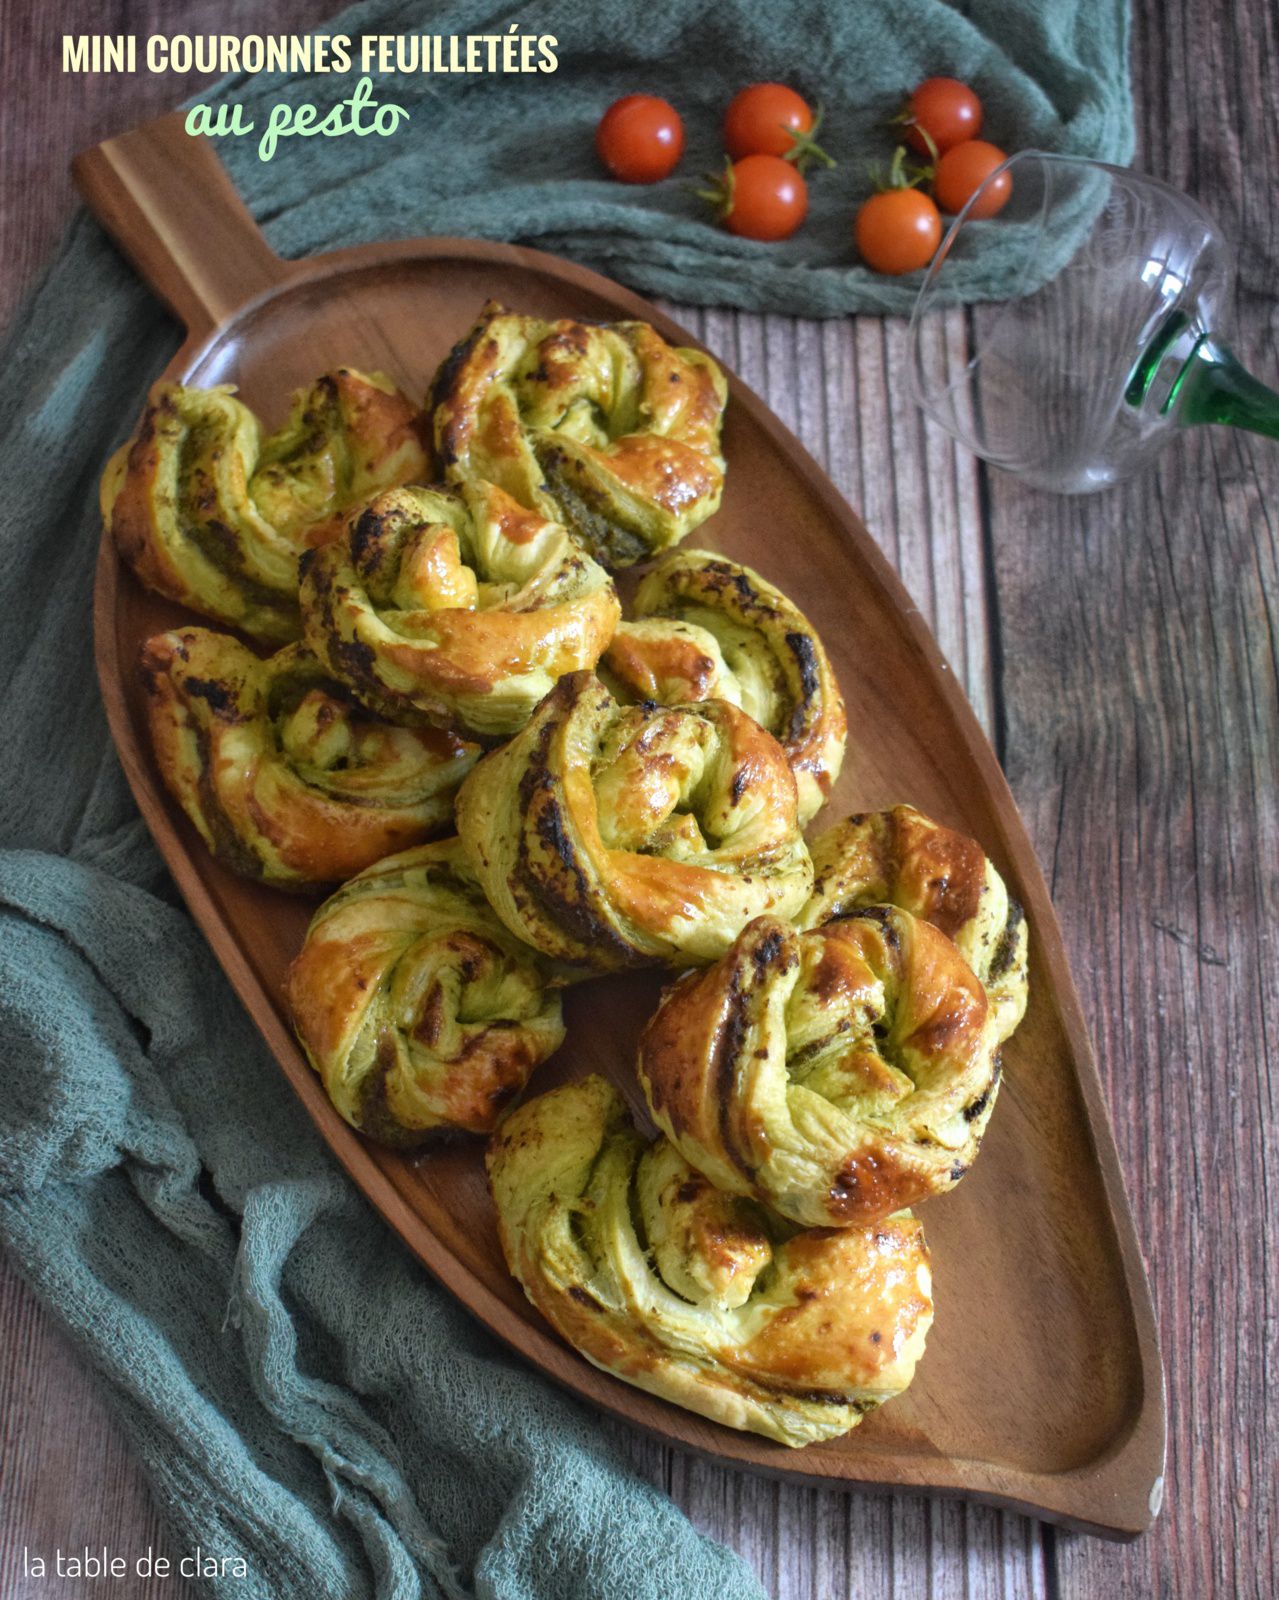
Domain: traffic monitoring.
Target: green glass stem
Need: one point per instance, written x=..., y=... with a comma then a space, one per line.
x=1214, y=387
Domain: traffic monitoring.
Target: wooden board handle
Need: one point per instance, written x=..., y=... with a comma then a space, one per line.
x=165, y=198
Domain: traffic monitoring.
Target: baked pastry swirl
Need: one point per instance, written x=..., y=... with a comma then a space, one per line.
x=900, y=857
x=455, y=606
x=414, y=1004
x=706, y=627
x=837, y=1075
x=618, y=836
x=209, y=512
x=602, y=426
x=695, y=1295
x=285, y=775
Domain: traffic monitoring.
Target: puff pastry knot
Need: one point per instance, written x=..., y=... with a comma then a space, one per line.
x=603, y=426
x=457, y=607
x=286, y=777
x=617, y=836
x=901, y=857
x=837, y=1075
x=414, y=1004
x=213, y=514
x=708, y=628
x=695, y=1295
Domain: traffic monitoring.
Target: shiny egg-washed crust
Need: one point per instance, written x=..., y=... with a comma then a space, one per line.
x=900, y=857
x=209, y=512
x=415, y=1006
x=696, y=1296
x=836, y=1076
x=615, y=836
x=602, y=426
x=455, y=606
x=708, y=628
x=286, y=776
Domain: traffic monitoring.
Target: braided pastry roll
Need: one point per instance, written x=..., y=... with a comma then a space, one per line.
x=602, y=426
x=694, y=1295
x=901, y=857
x=209, y=512
x=710, y=628
x=455, y=606
x=415, y=1006
x=837, y=1075
x=286, y=777
x=611, y=837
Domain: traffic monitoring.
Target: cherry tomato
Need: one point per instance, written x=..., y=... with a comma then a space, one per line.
x=640, y=138
x=963, y=170
x=767, y=198
x=946, y=110
x=761, y=120
x=897, y=230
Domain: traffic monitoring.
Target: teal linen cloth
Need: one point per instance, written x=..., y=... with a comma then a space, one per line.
x=514, y=157
x=303, y=1396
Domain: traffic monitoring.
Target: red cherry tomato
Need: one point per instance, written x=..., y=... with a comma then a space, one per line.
x=946, y=110
x=640, y=138
x=761, y=120
x=897, y=230
x=768, y=199
x=962, y=171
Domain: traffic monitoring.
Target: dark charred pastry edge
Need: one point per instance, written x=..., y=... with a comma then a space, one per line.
x=882, y=917
x=562, y=893
x=1005, y=952
x=227, y=847
x=769, y=959
x=805, y=653
x=441, y=391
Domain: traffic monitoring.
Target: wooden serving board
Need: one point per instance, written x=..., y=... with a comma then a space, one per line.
x=1041, y=1387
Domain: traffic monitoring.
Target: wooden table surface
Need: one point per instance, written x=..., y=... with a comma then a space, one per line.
x=1122, y=651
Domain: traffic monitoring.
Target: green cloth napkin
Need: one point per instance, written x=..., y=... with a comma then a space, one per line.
x=302, y=1394
x=514, y=157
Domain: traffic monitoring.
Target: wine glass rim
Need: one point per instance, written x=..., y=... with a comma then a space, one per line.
x=1026, y=157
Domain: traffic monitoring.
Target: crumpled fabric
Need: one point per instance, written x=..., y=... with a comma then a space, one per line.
x=513, y=157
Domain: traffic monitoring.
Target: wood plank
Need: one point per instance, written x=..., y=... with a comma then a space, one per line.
x=1141, y=645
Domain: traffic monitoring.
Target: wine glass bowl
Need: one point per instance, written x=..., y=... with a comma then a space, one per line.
x=1106, y=343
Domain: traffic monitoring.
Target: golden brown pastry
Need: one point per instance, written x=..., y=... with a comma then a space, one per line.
x=455, y=606
x=286, y=777
x=837, y=1075
x=901, y=857
x=618, y=836
x=697, y=1296
x=414, y=1004
x=602, y=426
x=709, y=628
x=211, y=513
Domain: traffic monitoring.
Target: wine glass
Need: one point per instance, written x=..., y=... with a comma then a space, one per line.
x=1111, y=339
